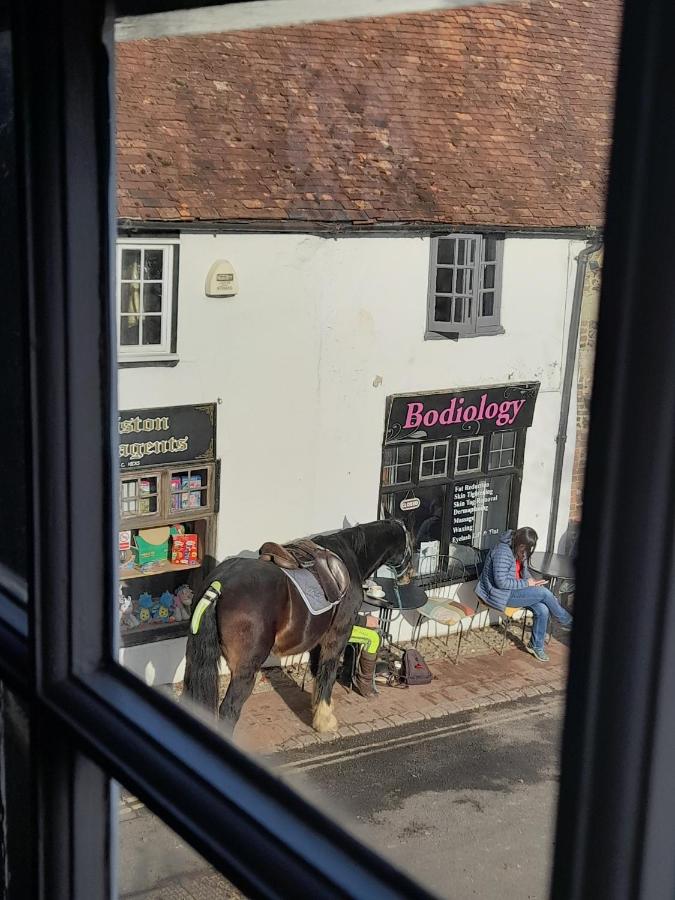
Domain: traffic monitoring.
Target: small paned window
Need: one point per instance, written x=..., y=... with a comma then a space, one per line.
x=465, y=285
x=434, y=460
x=189, y=489
x=144, y=299
x=502, y=450
x=397, y=465
x=139, y=496
x=468, y=455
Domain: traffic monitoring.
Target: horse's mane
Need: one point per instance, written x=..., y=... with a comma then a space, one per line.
x=349, y=539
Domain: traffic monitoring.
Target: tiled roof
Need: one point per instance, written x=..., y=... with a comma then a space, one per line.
x=496, y=115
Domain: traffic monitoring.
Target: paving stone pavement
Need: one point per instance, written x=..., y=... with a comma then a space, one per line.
x=280, y=719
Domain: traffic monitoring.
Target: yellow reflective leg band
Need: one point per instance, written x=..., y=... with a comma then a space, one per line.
x=366, y=636
x=210, y=594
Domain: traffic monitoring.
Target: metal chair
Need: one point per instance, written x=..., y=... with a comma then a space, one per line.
x=439, y=577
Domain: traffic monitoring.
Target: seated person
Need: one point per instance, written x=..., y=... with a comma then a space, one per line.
x=506, y=581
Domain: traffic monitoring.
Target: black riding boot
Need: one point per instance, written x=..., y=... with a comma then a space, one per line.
x=365, y=672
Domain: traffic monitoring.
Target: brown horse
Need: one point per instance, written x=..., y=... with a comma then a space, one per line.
x=257, y=611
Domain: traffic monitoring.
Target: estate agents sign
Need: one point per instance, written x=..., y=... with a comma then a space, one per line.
x=166, y=435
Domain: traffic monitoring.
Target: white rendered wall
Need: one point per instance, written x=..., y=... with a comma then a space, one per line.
x=302, y=360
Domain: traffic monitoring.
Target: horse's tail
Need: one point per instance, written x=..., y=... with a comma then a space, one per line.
x=202, y=655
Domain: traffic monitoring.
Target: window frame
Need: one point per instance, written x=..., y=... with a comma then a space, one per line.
x=501, y=450
x=434, y=444
x=397, y=465
x=459, y=443
x=477, y=325
x=166, y=349
x=615, y=815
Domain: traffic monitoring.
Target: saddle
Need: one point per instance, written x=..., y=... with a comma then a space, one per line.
x=327, y=568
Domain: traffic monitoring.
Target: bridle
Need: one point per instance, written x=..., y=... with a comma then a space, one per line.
x=401, y=569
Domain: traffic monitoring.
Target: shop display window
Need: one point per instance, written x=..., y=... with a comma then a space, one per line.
x=139, y=496
x=189, y=489
x=167, y=519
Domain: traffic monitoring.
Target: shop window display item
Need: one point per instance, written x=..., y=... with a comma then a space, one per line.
x=144, y=608
x=185, y=549
x=182, y=603
x=126, y=611
x=152, y=546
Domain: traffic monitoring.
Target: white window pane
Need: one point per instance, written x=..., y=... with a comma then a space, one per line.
x=153, y=265
x=130, y=297
x=446, y=251
x=131, y=264
x=129, y=331
x=152, y=330
x=152, y=298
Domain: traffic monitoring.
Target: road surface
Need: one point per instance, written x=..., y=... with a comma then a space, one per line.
x=465, y=804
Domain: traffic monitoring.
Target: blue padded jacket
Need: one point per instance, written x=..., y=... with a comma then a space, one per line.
x=499, y=574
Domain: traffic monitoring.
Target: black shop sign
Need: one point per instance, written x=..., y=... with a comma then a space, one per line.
x=166, y=435
x=472, y=411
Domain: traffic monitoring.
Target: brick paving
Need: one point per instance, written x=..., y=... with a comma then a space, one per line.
x=278, y=718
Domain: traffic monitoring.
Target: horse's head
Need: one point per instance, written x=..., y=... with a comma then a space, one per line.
x=385, y=543
x=401, y=561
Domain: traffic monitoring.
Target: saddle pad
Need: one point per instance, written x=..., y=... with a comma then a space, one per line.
x=310, y=591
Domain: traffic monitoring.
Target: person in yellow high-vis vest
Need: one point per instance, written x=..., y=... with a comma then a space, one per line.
x=364, y=677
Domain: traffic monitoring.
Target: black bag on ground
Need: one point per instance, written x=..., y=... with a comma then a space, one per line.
x=414, y=670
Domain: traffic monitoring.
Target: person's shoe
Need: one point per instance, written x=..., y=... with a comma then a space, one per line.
x=541, y=655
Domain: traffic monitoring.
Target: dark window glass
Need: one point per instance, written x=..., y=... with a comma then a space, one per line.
x=13, y=450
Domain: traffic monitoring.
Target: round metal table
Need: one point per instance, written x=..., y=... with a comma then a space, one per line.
x=411, y=597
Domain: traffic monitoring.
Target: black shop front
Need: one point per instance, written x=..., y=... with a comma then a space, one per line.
x=452, y=463
x=168, y=503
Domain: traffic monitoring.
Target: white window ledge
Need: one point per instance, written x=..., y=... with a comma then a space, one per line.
x=143, y=361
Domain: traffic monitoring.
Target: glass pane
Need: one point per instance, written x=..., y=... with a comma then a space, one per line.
x=490, y=249
x=153, y=263
x=129, y=330
x=152, y=298
x=300, y=424
x=404, y=474
x=154, y=863
x=404, y=453
x=443, y=309
x=130, y=297
x=446, y=251
x=15, y=544
x=389, y=456
x=444, y=280
x=460, y=281
x=152, y=329
x=131, y=263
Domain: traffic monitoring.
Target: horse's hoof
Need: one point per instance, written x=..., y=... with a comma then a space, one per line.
x=324, y=720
